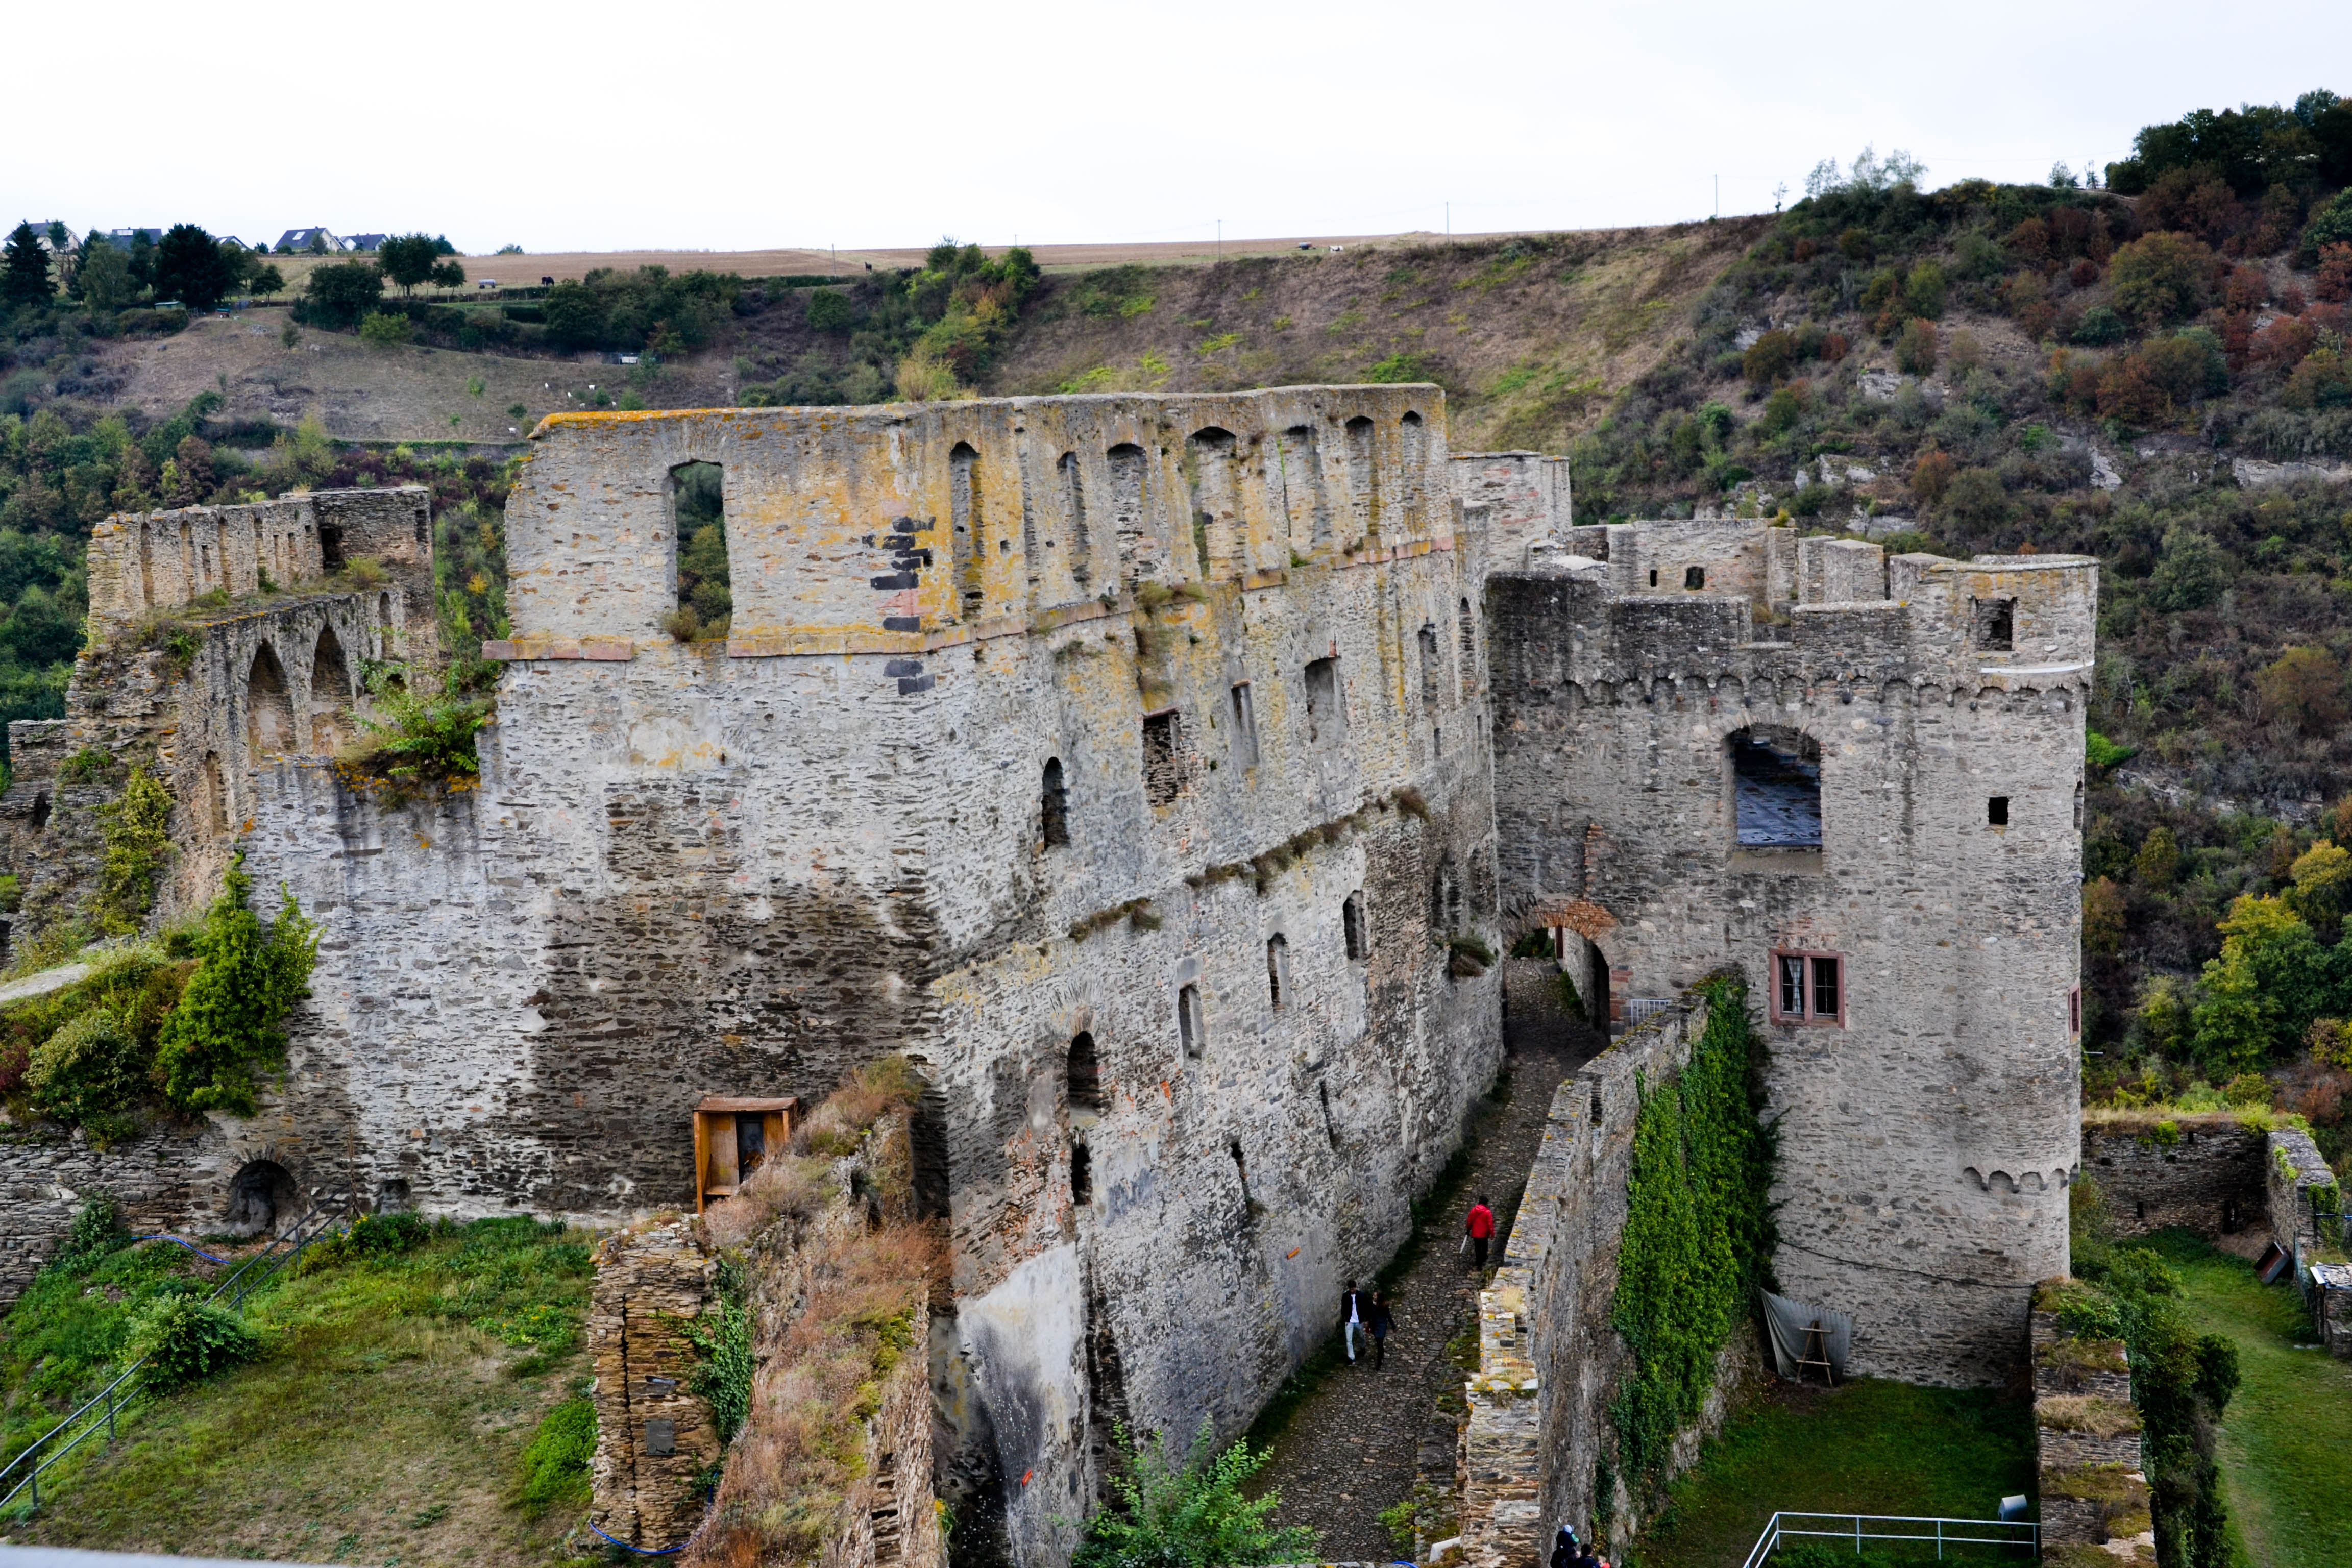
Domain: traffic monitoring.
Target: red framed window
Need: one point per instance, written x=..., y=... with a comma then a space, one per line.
x=1808, y=988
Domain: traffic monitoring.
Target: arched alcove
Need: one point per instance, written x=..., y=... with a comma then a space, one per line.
x=331, y=694
x=269, y=707
x=261, y=1196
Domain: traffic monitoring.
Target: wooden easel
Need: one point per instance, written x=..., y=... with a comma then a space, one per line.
x=1816, y=1352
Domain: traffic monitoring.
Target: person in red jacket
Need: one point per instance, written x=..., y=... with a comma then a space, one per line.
x=1481, y=1226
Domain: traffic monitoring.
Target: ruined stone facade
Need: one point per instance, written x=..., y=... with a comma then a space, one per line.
x=1858, y=779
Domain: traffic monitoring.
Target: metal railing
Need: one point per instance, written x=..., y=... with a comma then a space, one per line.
x=99, y=1412
x=1864, y=1529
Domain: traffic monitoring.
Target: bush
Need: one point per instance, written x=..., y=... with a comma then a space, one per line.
x=385, y=329
x=2160, y=277
x=136, y=828
x=340, y=294
x=1769, y=359
x=831, y=310
x=2100, y=324
x=2331, y=225
x=555, y=1462
x=415, y=743
x=1165, y=1512
x=1914, y=349
x=187, y=1341
x=88, y=1072
x=226, y=1028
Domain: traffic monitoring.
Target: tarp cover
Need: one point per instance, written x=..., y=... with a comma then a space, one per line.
x=1788, y=1321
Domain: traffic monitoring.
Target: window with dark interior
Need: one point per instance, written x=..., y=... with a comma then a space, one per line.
x=1056, y=800
x=2074, y=1011
x=1325, y=721
x=1429, y=675
x=1996, y=625
x=1244, y=726
x=1808, y=988
x=1694, y=576
x=1997, y=811
x=1776, y=790
x=1191, y=1027
x=1351, y=925
x=1085, y=1075
x=1082, y=1175
x=1278, y=967
x=1163, y=776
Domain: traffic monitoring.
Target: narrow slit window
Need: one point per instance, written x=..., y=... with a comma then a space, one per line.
x=1191, y=1029
x=1082, y=1175
x=1330, y=1128
x=1429, y=672
x=967, y=540
x=1056, y=802
x=1278, y=965
x=1351, y=925
x=2074, y=1011
x=1466, y=638
x=1244, y=726
x=1653, y=576
x=1085, y=1075
x=1997, y=811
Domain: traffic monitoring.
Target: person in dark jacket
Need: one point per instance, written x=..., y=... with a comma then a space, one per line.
x=1379, y=1323
x=1563, y=1549
x=1480, y=1226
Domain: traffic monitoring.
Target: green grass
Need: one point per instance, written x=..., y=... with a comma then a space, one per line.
x=400, y=1384
x=2288, y=1427
x=1865, y=1447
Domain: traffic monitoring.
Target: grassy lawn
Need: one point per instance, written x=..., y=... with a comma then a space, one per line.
x=384, y=1422
x=1866, y=1447
x=2289, y=1426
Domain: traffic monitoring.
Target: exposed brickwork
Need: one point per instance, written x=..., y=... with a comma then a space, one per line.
x=2093, y=1490
x=654, y=1434
x=2205, y=1173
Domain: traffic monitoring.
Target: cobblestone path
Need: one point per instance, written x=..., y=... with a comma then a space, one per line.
x=1361, y=1438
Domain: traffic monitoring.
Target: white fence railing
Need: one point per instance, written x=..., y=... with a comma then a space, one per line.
x=1864, y=1529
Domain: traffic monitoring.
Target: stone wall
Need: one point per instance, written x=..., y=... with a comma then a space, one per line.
x=2292, y=1171
x=655, y=1437
x=2092, y=1489
x=2206, y=1173
x=1550, y=1359
x=1928, y=1127
x=46, y=1175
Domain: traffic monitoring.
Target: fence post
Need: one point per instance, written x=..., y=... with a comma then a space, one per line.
x=109, y=1413
x=1939, y=1541
x=1857, y=1535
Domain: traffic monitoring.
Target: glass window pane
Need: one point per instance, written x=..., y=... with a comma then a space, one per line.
x=1792, y=987
x=1826, y=988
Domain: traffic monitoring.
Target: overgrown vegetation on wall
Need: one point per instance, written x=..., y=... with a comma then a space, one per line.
x=1699, y=1232
x=2182, y=1380
x=1168, y=1508
x=821, y=1291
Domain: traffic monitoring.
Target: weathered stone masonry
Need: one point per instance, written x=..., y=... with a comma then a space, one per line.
x=1926, y=1122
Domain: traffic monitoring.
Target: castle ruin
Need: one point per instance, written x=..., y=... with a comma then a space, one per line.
x=1160, y=775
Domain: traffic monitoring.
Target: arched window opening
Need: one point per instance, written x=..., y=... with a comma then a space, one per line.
x=1352, y=926
x=331, y=694
x=1308, y=508
x=1363, y=507
x=1137, y=547
x=261, y=1193
x=1191, y=1029
x=1082, y=1175
x=1277, y=969
x=269, y=708
x=969, y=540
x=1056, y=803
x=1327, y=719
x=40, y=811
x=1244, y=726
x=706, y=585
x=1074, y=508
x=1776, y=786
x=1429, y=669
x=1084, y=1076
x=383, y=618
x=1208, y=467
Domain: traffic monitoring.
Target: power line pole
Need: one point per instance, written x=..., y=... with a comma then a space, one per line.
x=1220, y=239
x=1449, y=220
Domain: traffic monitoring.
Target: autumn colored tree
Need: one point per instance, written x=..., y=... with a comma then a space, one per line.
x=1932, y=475
x=2306, y=689
x=2162, y=277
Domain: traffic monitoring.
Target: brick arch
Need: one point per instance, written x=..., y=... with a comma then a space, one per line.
x=330, y=693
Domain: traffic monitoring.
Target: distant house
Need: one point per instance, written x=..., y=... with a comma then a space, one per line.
x=299, y=240
x=48, y=234
x=368, y=243
x=126, y=237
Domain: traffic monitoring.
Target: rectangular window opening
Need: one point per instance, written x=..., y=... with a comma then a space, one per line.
x=1996, y=625
x=2074, y=1011
x=1808, y=988
x=1351, y=925
x=1997, y=811
x=1694, y=577
x=705, y=595
x=1277, y=964
x=1325, y=721
x=1163, y=774
x=1244, y=726
x=1191, y=1029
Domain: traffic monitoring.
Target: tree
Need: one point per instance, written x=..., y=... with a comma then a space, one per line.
x=226, y=1028
x=24, y=269
x=341, y=293
x=2160, y=277
x=190, y=268
x=409, y=259
x=2189, y=571
x=2306, y=689
x=104, y=280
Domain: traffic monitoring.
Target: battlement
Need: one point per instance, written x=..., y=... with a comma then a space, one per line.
x=906, y=527
x=143, y=563
x=1699, y=600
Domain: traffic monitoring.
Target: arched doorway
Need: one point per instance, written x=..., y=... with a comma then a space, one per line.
x=261, y=1197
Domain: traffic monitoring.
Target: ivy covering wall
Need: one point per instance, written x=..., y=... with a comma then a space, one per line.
x=1698, y=1231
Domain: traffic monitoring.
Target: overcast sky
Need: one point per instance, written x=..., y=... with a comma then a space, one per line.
x=719, y=125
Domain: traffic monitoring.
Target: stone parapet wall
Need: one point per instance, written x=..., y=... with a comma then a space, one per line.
x=2092, y=1489
x=2205, y=1173
x=1538, y=1432
x=2292, y=1171
x=156, y=1178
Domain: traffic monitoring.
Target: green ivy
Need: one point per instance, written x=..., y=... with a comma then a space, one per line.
x=723, y=1335
x=226, y=1028
x=1698, y=1231
x=137, y=830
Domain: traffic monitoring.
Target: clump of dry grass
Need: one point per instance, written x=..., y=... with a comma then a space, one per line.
x=871, y=1092
x=2088, y=1413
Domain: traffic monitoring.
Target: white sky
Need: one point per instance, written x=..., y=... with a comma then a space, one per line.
x=723, y=125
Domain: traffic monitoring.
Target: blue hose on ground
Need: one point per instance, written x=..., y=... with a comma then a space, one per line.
x=647, y=1551
x=190, y=1245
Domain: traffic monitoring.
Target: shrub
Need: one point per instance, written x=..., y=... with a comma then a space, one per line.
x=1978, y=496
x=1190, y=1512
x=2330, y=225
x=1923, y=291
x=384, y=330
x=1770, y=360
x=555, y=1462
x=135, y=827
x=415, y=744
x=1914, y=349
x=2322, y=381
x=2160, y=277
x=88, y=1072
x=2100, y=324
x=1932, y=475
x=2333, y=283
x=2306, y=689
x=831, y=310
x=187, y=1341
x=226, y=1028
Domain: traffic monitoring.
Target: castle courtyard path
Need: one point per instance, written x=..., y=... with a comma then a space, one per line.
x=1360, y=1439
